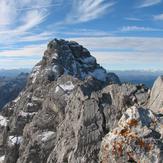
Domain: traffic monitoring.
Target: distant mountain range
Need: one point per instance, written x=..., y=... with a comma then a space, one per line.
x=146, y=77
x=12, y=72
x=138, y=76
x=10, y=87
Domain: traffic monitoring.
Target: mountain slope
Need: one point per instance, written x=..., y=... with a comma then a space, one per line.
x=70, y=103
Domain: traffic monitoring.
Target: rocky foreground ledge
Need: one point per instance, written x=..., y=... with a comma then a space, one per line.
x=73, y=111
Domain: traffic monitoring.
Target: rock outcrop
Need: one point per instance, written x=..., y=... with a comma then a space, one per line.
x=138, y=138
x=156, y=99
x=139, y=134
x=70, y=103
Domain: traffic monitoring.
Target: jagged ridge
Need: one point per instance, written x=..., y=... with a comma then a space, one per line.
x=70, y=103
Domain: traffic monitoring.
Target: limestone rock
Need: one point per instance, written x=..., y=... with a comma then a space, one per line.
x=138, y=138
x=70, y=103
x=156, y=97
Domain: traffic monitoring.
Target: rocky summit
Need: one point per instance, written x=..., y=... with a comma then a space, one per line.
x=74, y=111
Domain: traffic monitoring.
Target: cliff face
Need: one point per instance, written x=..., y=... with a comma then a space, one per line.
x=70, y=103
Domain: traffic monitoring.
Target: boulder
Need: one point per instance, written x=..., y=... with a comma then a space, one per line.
x=137, y=138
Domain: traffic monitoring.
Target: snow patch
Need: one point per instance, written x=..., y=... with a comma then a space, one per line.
x=57, y=89
x=88, y=60
x=74, y=66
x=30, y=104
x=3, y=121
x=46, y=135
x=55, y=68
x=15, y=140
x=25, y=114
x=68, y=86
x=34, y=98
x=17, y=99
x=66, y=72
x=34, y=74
x=99, y=74
x=2, y=158
x=55, y=56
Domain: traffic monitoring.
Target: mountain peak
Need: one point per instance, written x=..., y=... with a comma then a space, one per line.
x=69, y=58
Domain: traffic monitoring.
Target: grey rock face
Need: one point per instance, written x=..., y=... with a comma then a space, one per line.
x=156, y=98
x=70, y=103
x=79, y=137
x=138, y=138
x=113, y=78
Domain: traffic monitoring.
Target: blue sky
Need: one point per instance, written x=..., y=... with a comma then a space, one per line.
x=121, y=34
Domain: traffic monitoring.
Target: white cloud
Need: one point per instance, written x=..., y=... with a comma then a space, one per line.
x=138, y=28
x=134, y=43
x=25, y=57
x=7, y=12
x=148, y=3
x=128, y=57
x=19, y=17
x=11, y=63
x=10, y=15
x=86, y=10
x=133, y=19
x=34, y=50
x=39, y=7
x=9, y=38
x=129, y=60
x=125, y=51
x=44, y=36
x=158, y=17
x=31, y=19
x=84, y=33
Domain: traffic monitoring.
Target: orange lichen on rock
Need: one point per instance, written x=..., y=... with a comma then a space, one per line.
x=132, y=122
x=124, y=132
x=118, y=148
x=144, y=145
x=148, y=147
x=127, y=133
